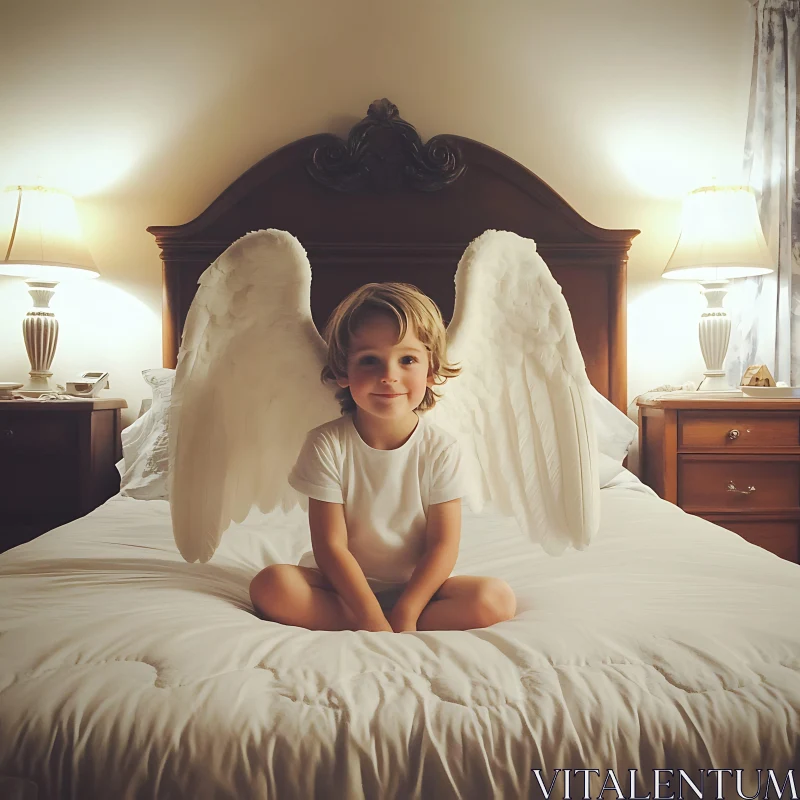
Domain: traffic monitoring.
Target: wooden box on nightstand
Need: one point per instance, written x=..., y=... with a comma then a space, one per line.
x=733, y=461
x=56, y=462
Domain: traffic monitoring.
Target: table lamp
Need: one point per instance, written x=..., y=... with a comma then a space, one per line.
x=721, y=238
x=41, y=241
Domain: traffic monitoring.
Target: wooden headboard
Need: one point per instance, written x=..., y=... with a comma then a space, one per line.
x=384, y=206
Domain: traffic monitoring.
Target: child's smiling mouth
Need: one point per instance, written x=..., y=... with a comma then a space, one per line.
x=395, y=394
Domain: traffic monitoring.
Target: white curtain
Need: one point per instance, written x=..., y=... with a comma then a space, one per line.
x=767, y=310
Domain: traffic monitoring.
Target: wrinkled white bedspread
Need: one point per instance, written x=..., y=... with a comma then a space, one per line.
x=127, y=673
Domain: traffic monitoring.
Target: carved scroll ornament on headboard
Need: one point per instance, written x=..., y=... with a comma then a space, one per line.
x=384, y=153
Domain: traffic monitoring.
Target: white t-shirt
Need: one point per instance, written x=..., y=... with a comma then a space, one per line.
x=385, y=493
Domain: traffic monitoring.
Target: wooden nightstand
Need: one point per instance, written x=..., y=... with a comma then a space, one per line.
x=56, y=463
x=735, y=462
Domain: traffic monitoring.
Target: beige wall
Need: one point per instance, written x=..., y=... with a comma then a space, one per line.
x=145, y=111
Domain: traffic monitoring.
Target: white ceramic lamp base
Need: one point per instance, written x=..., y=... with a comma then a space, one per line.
x=40, y=331
x=715, y=334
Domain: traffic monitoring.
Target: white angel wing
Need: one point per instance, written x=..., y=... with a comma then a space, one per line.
x=247, y=389
x=521, y=406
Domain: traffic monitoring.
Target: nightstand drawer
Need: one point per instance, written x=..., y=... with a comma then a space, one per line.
x=39, y=463
x=733, y=461
x=26, y=434
x=728, y=484
x=56, y=462
x=697, y=429
x=781, y=537
x=33, y=486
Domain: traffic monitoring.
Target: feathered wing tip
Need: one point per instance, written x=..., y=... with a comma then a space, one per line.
x=247, y=389
x=521, y=406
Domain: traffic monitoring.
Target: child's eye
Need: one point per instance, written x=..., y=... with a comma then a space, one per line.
x=366, y=361
x=408, y=360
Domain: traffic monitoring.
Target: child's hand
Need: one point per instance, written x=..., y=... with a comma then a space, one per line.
x=402, y=620
x=372, y=622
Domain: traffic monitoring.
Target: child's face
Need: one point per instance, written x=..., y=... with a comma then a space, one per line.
x=387, y=378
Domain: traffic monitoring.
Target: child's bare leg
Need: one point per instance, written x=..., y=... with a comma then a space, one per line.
x=299, y=596
x=468, y=601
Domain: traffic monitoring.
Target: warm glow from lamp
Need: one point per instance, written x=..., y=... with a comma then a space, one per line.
x=41, y=241
x=721, y=238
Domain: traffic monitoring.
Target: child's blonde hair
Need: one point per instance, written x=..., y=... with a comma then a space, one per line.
x=410, y=308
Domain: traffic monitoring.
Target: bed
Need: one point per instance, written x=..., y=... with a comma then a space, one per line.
x=670, y=644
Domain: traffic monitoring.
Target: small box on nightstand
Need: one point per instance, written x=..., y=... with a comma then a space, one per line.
x=734, y=461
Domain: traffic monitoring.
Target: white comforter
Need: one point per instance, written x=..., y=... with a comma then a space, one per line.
x=127, y=673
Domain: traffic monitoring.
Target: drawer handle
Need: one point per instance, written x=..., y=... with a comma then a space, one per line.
x=734, y=434
x=748, y=490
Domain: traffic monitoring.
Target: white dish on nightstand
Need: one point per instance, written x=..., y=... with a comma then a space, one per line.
x=771, y=391
x=6, y=390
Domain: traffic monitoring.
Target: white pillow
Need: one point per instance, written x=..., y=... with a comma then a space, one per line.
x=615, y=434
x=145, y=446
x=608, y=469
x=615, y=430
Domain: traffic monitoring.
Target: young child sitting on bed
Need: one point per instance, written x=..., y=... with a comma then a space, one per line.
x=384, y=486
